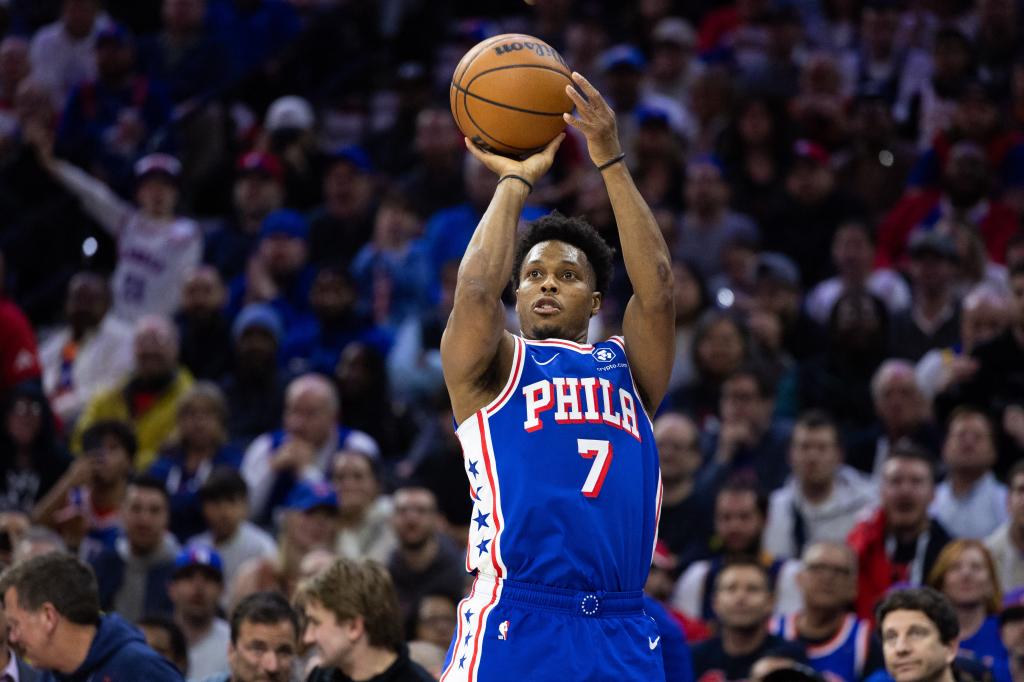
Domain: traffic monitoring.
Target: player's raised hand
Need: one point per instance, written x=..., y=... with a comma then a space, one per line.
x=595, y=119
x=532, y=168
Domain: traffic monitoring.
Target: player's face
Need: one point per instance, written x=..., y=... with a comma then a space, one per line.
x=913, y=650
x=556, y=297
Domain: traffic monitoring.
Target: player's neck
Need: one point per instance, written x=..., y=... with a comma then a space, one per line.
x=742, y=641
x=816, y=624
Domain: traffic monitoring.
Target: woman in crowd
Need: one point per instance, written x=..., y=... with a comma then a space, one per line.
x=31, y=458
x=364, y=520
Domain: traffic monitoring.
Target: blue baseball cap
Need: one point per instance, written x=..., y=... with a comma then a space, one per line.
x=260, y=315
x=308, y=496
x=285, y=222
x=199, y=556
x=622, y=55
x=353, y=154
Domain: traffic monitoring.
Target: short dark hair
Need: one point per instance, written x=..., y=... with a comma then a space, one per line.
x=816, y=418
x=744, y=561
x=179, y=647
x=740, y=484
x=575, y=231
x=908, y=449
x=224, y=484
x=60, y=579
x=147, y=482
x=93, y=436
x=265, y=608
x=765, y=384
x=928, y=601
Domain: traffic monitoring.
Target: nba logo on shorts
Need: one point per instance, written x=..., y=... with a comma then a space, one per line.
x=604, y=355
x=503, y=630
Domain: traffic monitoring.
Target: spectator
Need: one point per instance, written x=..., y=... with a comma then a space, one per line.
x=1011, y=631
x=743, y=602
x=276, y=461
x=111, y=121
x=255, y=386
x=435, y=181
x=424, y=560
x=92, y=490
x=87, y=355
x=852, y=254
x=225, y=503
x=965, y=192
x=257, y=192
x=290, y=136
x=823, y=498
x=673, y=69
x=31, y=457
x=984, y=315
x=808, y=213
x=933, y=319
x=264, y=640
x=35, y=541
x=970, y=502
x=879, y=60
x=435, y=619
x=965, y=574
x=838, y=380
x=195, y=589
x=778, y=321
x=365, y=512
x=165, y=637
x=13, y=664
x=148, y=397
x=709, y=222
x=393, y=270
x=200, y=446
x=19, y=359
x=660, y=582
x=749, y=439
x=1006, y=543
x=919, y=635
x=901, y=412
x=133, y=576
x=353, y=619
x=159, y=246
x=256, y=32
x=75, y=641
x=900, y=542
x=692, y=299
x=682, y=525
x=315, y=342
x=340, y=227
x=278, y=272
x=739, y=519
x=63, y=53
x=837, y=641
x=205, y=333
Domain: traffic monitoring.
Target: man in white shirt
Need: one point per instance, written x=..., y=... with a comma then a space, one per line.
x=303, y=450
x=821, y=500
x=1007, y=542
x=195, y=590
x=92, y=352
x=63, y=54
x=970, y=502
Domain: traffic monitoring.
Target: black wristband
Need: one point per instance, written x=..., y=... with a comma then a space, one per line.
x=608, y=164
x=517, y=177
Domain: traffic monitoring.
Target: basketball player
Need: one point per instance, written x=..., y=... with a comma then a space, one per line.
x=557, y=443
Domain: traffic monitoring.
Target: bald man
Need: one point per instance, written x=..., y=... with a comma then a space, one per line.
x=303, y=450
x=148, y=397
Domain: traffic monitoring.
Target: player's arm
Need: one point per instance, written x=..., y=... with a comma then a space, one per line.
x=649, y=322
x=476, y=353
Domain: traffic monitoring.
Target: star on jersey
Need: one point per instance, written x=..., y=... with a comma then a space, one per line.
x=466, y=640
x=482, y=547
x=469, y=614
x=472, y=468
x=481, y=520
x=462, y=663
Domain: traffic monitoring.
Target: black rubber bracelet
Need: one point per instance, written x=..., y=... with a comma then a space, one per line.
x=608, y=164
x=517, y=177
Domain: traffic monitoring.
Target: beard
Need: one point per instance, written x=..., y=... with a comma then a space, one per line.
x=548, y=330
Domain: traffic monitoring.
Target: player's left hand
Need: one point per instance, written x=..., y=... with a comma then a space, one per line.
x=595, y=119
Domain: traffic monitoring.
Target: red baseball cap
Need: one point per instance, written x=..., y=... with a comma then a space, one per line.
x=260, y=162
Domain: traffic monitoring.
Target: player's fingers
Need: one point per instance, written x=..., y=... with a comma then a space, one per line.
x=553, y=146
x=573, y=121
x=577, y=98
x=589, y=91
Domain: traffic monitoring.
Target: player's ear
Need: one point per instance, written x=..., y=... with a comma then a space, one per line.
x=595, y=303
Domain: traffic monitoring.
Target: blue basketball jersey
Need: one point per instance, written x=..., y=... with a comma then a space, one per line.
x=842, y=658
x=563, y=471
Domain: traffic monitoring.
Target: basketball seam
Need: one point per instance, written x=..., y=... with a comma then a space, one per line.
x=486, y=134
x=476, y=51
x=466, y=91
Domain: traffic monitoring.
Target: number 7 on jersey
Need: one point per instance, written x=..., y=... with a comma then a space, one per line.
x=601, y=452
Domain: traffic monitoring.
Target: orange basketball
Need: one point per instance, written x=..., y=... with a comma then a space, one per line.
x=508, y=94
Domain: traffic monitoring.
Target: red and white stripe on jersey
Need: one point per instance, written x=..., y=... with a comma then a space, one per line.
x=474, y=612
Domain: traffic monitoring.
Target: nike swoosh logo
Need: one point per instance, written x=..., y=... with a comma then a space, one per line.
x=546, y=361
x=653, y=643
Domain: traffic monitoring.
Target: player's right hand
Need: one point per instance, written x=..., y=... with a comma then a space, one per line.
x=531, y=169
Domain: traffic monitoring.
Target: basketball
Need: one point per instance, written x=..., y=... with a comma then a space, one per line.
x=508, y=94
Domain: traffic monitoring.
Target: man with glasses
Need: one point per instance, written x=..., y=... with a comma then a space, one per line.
x=686, y=509
x=264, y=636
x=837, y=641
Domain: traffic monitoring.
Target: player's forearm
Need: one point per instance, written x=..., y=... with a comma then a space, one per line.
x=487, y=263
x=644, y=251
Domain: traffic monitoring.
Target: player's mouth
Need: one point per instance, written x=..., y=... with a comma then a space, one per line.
x=546, y=306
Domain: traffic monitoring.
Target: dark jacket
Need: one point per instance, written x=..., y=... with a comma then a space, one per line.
x=109, y=567
x=402, y=670
x=119, y=653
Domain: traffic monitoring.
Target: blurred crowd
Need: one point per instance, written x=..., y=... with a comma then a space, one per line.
x=231, y=231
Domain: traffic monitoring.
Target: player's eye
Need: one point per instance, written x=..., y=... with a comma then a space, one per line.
x=568, y=274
